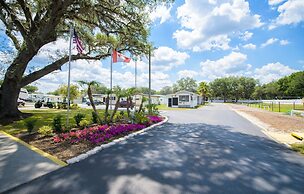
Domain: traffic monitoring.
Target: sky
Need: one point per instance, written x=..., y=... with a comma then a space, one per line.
x=204, y=40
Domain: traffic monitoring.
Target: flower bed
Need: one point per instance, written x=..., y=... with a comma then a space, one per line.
x=70, y=144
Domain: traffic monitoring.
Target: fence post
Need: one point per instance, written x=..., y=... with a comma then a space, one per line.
x=272, y=106
x=279, y=107
x=294, y=105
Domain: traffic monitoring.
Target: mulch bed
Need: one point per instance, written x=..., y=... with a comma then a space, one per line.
x=62, y=150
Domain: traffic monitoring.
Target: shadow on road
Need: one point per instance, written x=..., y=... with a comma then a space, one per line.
x=181, y=158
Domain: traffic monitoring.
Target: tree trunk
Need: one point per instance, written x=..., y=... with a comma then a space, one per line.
x=92, y=102
x=141, y=105
x=115, y=109
x=9, y=96
x=107, y=108
x=129, y=105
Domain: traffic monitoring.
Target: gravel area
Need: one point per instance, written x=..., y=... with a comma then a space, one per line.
x=277, y=122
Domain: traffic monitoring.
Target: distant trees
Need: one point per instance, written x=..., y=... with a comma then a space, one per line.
x=233, y=88
x=188, y=84
x=291, y=86
x=63, y=91
x=166, y=90
x=31, y=88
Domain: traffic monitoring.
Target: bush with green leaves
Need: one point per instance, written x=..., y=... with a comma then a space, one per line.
x=57, y=123
x=140, y=118
x=78, y=117
x=74, y=106
x=30, y=124
x=46, y=130
x=154, y=109
x=84, y=123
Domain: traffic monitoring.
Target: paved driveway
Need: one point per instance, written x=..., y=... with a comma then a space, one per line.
x=210, y=150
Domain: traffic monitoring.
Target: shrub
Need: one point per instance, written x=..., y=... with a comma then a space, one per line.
x=46, y=131
x=30, y=124
x=94, y=117
x=140, y=118
x=57, y=125
x=154, y=109
x=78, y=117
x=84, y=123
x=74, y=106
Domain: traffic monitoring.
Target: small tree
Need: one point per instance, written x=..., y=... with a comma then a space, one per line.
x=74, y=91
x=119, y=92
x=203, y=90
x=89, y=85
x=129, y=93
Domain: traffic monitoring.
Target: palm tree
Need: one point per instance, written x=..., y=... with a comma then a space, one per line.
x=143, y=100
x=106, y=115
x=89, y=91
x=119, y=92
x=203, y=90
x=129, y=93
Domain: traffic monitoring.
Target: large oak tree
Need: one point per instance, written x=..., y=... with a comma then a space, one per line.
x=101, y=24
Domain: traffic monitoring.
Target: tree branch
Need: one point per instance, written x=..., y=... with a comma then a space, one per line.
x=14, y=19
x=55, y=66
x=26, y=12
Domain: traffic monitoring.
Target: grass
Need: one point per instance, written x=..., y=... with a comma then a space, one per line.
x=45, y=117
x=298, y=147
x=165, y=107
x=285, y=108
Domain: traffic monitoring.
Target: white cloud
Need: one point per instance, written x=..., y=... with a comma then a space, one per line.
x=284, y=42
x=272, y=71
x=275, y=2
x=207, y=25
x=249, y=46
x=246, y=35
x=161, y=12
x=291, y=12
x=94, y=70
x=187, y=73
x=163, y=59
x=269, y=42
x=232, y=64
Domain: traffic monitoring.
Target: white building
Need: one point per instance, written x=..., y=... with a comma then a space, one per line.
x=183, y=99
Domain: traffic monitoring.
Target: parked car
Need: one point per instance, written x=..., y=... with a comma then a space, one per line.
x=96, y=102
x=20, y=102
x=124, y=104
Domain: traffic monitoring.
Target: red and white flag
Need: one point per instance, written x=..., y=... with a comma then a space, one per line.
x=118, y=57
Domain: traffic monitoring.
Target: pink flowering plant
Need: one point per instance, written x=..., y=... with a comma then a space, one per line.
x=155, y=119
x=97, y=134
x=103, y=133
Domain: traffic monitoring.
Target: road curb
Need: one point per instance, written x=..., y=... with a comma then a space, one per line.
x=37, y=150
x=263, y=128
x=114, y=142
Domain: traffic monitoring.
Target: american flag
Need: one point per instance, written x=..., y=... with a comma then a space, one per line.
x=78, y=43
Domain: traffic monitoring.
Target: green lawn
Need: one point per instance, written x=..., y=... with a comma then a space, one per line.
x=165, y=107
x=298, y=147
x=285, y=108
x=45, y=117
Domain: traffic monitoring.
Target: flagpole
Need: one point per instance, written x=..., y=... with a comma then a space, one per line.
x=135, y=82
x=111, y=80
x=69, y=75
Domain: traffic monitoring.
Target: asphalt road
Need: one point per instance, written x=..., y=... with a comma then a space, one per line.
x=209, y=150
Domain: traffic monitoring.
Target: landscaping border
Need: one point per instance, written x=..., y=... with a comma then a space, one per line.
x=114, y=142
x=37, y=150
